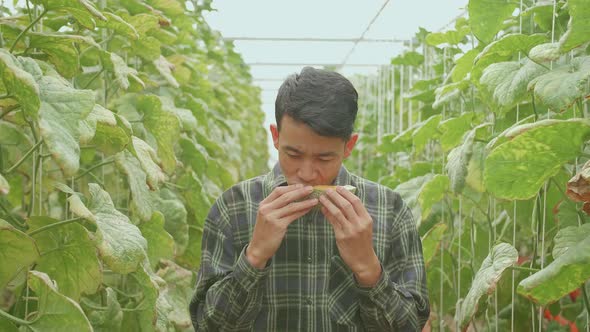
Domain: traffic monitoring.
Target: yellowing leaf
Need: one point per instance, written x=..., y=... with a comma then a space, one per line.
x=68, y=256
x=54, y=309
x=62, y=108
x=17, y=252
x=20, y=83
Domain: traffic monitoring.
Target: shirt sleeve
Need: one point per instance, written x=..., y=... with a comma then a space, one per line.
x=228, y=294
x=399, y=300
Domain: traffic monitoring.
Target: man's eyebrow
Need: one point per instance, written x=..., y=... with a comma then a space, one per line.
x=322, y=154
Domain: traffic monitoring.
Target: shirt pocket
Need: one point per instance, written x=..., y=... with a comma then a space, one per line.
x=343, y=304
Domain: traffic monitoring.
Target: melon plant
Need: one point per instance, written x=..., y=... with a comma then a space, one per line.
x=120, y=122
x=484, y=130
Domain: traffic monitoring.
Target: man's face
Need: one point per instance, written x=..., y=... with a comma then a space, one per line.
x=306, y=157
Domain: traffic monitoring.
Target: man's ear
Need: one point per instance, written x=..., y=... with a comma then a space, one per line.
x=350, y=145
x=274, y=131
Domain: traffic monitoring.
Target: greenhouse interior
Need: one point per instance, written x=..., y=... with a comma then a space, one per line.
x=199, y=165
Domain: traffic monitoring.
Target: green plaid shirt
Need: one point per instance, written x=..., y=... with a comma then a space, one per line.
x=306, y=286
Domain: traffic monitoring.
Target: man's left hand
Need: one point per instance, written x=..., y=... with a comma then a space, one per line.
x=353, y=229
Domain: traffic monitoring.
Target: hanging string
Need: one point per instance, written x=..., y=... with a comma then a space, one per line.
x=401, y=98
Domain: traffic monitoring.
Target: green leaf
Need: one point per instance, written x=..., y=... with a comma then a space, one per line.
x=68, y=256
x=565, y=274
x=452, y=37
x=98, y=114
x=432, y=192
x=578, y=27
x=568, y=237
x=410, y=58
x=169, y=7
x=61, y=50
x=17, y=252
x=20, y=83
x=164, y=126
x=510, y=44
x=62, y=109
x=110, y=138
x=458, y=162
x=426, y=132
x=508, y=81
x=486, y=17
x=431, y=242
x=545, y=52
x=397, y=143
x=191, y=258
x=118, y=24
x=195, y=196
x=4, y=186
x=7, y=326
x=563, y=86
x=180, y=284
x=144, y=315
x=147, y=48
x=175, y=216
x=160, y=243
x=118, y=66
x=410, y=190
x=55, y=311
x=449, y=92
x=518, y=167
x=78, y=208
x=104, y=320
x=83, y=10
x=188, y=122
x=141, y=197
x=120, y=243
x=165, y=69
x=475, y=168
x=453, y=130
x=194, y=154
x=464, y=65
x=500, y=258
x=148, y=159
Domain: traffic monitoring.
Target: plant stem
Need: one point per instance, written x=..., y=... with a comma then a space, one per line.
x=13, y=319
x=27, y=29
x=110, y=161
x=522, y=268
x=93, y=78
x=11, y=217
x=57, y=224
x=586, y=298
x=18, y=163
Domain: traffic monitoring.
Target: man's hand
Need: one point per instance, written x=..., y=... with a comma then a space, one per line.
x=275, y=213
x=353, y=228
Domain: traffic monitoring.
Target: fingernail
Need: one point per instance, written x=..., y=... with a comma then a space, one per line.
x=309, y=188
x=299, y=185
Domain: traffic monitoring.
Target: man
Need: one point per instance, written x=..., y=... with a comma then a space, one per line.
x=273, y=262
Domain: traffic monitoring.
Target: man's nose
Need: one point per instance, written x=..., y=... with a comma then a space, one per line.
x=306, y=172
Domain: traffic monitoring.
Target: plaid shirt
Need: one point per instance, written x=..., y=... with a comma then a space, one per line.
x=306, y=286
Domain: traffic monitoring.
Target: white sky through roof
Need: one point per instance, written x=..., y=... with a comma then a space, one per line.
x=322, y=19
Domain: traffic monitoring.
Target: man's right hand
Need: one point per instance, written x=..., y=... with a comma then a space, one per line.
x=275, y=214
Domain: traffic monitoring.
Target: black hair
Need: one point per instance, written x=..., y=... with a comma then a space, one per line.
x=324, y=100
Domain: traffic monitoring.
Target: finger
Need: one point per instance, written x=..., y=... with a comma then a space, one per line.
x=335, y=225
x=344, y=205
x=333, y=213
x=356, y=202
x=295, y=207
x=278, y=191
x=290, y=197
x=290, y=218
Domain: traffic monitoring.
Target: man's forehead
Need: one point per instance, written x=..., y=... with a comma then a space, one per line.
x=317, y=151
